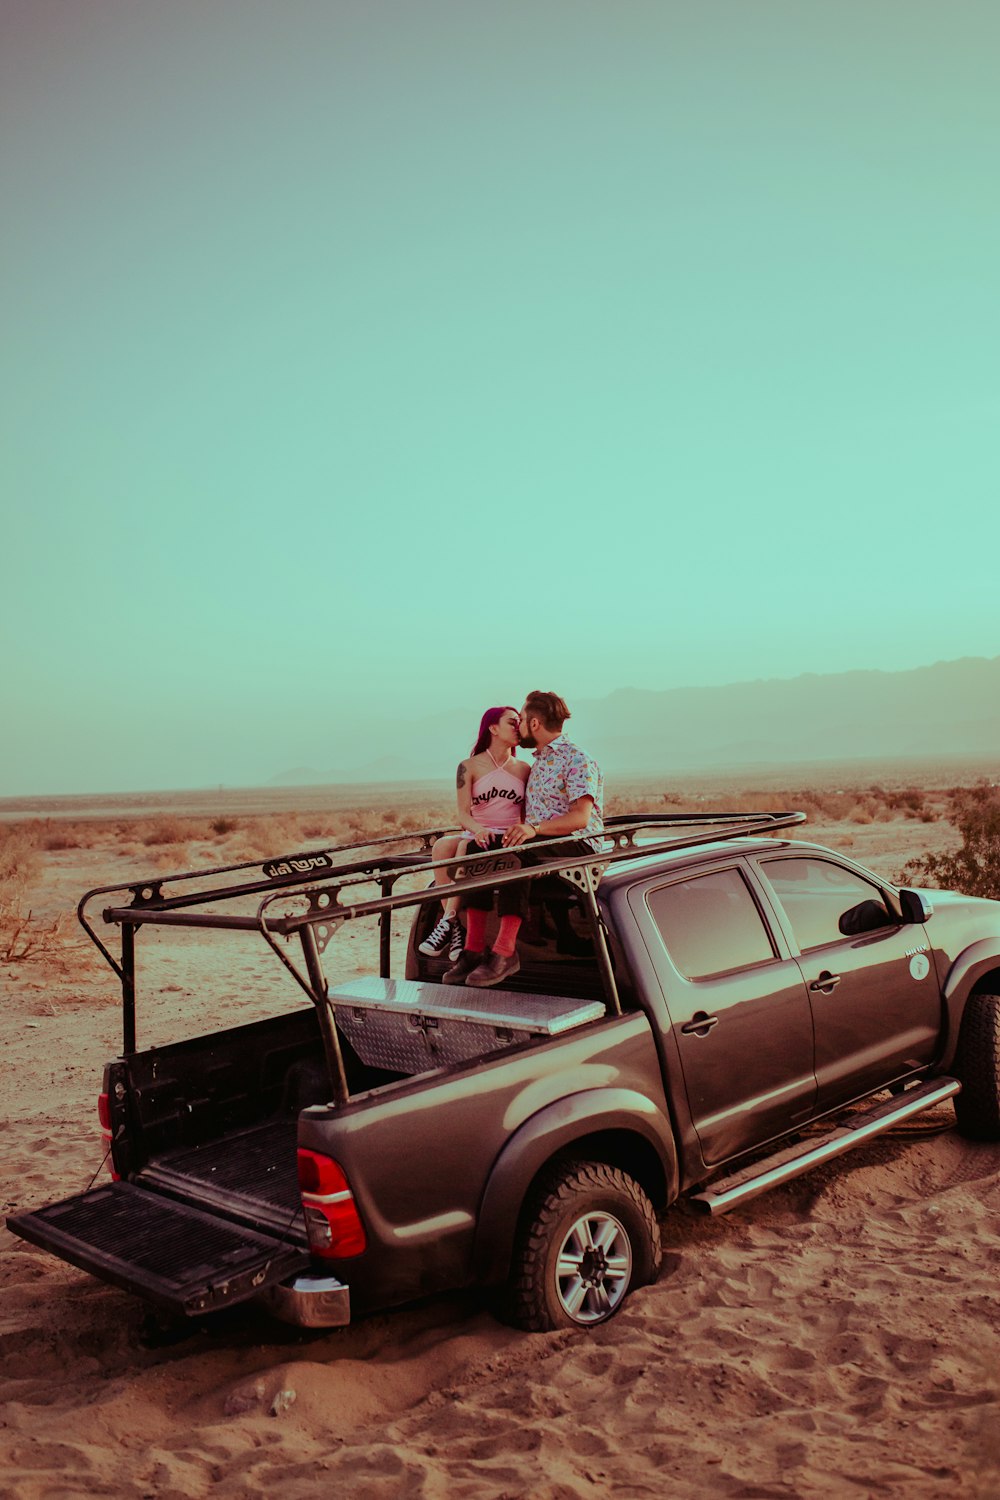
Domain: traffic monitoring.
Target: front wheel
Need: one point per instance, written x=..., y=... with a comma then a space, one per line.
x=977, y=1068
x=591, y=1237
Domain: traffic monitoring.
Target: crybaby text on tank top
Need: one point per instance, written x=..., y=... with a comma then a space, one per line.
x=498, y=799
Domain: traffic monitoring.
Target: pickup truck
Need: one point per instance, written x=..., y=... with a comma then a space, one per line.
x=704, y=1008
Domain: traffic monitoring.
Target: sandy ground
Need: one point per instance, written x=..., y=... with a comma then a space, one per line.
x=835, y=1338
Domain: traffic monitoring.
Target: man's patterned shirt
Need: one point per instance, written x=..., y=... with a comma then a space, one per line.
x=561, y=774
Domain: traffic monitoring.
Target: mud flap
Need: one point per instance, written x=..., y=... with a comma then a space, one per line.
x=183, y=1259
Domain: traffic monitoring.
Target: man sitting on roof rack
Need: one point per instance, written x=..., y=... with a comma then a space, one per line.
x=564, y=795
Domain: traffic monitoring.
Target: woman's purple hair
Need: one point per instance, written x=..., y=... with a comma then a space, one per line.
x=490, y=717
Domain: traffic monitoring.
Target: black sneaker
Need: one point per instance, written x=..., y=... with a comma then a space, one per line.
x=457, y=945
x=435, y=944
x=458, y=971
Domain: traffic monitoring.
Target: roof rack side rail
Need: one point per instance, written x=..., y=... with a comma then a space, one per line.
x=334, y=910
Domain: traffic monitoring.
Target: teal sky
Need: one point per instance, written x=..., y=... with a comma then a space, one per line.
x=360, y=359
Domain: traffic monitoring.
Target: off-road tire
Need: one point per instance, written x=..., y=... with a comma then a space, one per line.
x=574, y=1190
x=977, y=1068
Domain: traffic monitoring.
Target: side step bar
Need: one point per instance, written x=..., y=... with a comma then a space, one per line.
x=740, y=1186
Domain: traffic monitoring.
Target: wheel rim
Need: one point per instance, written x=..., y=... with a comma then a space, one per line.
x=593, y=1268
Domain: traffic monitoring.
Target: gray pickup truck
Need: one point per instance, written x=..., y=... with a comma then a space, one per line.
x=703, y=1009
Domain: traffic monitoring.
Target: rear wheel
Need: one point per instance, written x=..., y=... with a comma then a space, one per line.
x=591, y=1237
x=977, y=1068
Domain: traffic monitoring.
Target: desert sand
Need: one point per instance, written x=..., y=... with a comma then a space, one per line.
x=837, y=1337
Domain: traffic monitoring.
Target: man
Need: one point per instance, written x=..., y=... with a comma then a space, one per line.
x=565, y=792
x=564, y=795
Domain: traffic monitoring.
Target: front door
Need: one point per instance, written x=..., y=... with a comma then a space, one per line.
x=740, y=1013
x=871, y=983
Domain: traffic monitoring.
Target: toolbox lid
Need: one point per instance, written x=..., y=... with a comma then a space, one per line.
x=545, y=1015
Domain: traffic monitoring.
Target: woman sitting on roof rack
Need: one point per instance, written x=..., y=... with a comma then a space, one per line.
x=490, y=787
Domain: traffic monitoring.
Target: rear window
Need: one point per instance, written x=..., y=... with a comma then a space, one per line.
x=710, y=924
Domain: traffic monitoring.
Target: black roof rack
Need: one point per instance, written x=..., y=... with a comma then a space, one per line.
x=326, y=886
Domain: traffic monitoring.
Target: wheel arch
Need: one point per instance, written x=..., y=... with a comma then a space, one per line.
x=619, y=1127
x=976, y=971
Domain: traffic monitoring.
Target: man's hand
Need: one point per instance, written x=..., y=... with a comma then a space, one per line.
x=519, y=834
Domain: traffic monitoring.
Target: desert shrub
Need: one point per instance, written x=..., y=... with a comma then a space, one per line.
x=18, y=854
x=974, y=867
x=166, y=831
x=56, y=841
x=223, y=825
x=22, y=935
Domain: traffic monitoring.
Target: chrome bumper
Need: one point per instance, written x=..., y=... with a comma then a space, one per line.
x=309, y=1302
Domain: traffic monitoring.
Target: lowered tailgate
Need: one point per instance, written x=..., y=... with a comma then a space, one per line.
x=184, y=1259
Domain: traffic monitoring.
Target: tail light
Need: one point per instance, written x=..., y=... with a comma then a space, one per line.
x=104, y=1115
x=333, y=1223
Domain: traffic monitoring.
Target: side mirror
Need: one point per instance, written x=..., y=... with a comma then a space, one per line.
x=867, y=916
x=916, y=906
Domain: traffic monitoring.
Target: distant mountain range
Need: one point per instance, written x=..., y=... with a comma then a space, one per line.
x=949, y=709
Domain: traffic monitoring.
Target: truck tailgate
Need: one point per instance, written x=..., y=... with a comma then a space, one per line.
x=184, y=1259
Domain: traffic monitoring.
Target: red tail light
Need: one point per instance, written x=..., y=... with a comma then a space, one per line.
x=104, y=1115
x=333, y=1223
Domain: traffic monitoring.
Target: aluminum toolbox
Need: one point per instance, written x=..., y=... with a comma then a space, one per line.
x=408, y=1026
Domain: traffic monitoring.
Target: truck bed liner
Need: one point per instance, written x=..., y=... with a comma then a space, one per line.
x=253, y=1173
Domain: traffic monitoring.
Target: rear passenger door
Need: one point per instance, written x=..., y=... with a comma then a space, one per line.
x=739, y=1011
x=875, y=1000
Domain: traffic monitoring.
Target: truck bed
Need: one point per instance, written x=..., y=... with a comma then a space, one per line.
x=250, y=1173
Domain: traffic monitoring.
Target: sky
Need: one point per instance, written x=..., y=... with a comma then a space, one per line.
x=365, y=358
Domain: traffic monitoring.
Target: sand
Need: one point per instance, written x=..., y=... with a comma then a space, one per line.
x=836, y=1337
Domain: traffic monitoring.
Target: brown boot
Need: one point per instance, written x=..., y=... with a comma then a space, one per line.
x=497, y=968
x=458, y=971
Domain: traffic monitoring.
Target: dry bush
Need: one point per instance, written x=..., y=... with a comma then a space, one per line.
x=223, y=825
x=164, y=831
x=21, y=934
x=975, y=866
x=19, y=844
x=909, y=801
x=63, y=839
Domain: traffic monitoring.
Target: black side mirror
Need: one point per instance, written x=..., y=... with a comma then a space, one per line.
x=916, y=906
x=867, y=916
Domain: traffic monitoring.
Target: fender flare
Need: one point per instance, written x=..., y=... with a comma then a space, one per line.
x=966, y=971
x=541, y=1137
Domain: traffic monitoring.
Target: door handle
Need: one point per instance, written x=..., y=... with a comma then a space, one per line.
x=700, y=1024
x=826, y=983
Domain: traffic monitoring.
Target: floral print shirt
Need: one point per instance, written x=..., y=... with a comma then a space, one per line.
x=561, y=774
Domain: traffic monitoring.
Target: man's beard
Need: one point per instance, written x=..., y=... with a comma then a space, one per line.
x=528, y=741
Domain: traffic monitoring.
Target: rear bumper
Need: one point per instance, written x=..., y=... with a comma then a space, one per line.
x=309, y=1302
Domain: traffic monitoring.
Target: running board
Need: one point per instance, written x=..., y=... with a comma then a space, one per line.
x=739, y=1187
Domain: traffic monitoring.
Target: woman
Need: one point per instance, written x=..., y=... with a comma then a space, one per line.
x=490, y=800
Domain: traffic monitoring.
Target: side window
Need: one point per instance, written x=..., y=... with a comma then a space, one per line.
x=710, y=925
x=825, y=902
